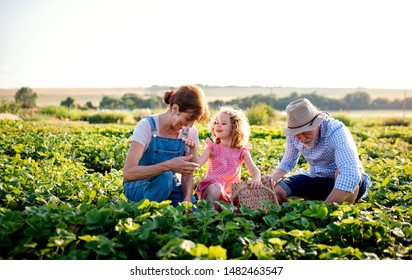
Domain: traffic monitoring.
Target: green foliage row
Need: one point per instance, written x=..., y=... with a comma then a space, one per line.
x=353, y=101
x=8, y=107
x=61, y=197
x=107, y=117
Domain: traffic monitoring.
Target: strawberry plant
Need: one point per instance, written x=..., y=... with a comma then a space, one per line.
x=61, y=197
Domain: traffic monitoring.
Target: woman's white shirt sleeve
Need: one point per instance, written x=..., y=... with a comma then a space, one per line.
x=142, y=133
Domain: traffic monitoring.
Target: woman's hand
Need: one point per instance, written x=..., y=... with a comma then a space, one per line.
x=183, y=165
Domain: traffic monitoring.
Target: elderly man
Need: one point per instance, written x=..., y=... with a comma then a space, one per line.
x=336, y=173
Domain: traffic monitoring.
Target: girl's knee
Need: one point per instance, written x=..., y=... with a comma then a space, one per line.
x=212, y=193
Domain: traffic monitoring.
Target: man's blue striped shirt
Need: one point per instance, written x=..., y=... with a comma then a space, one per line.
x=334, y=149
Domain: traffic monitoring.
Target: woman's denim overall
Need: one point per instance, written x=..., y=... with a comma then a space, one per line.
x=164, y=186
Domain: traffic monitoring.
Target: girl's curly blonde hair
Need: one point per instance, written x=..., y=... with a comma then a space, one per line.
x=240, y=126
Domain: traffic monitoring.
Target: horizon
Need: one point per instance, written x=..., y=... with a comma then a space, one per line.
x=264, y=43
x=53, y=96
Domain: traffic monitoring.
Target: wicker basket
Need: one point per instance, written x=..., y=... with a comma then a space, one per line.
x=243, y=194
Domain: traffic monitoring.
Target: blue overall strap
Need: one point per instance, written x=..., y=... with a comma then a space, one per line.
x=152, y=124
x=186, y=132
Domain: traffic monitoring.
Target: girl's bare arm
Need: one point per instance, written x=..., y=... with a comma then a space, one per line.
x=253, y=170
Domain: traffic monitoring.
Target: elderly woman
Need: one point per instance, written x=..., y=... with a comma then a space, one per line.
x=158, y=154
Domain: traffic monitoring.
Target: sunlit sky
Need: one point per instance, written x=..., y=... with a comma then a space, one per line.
x=125, y=43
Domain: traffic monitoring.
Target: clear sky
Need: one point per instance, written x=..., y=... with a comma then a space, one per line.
x=125, y=43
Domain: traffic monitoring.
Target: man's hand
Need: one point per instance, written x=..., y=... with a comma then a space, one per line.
x=266, y=179
x=277, y=175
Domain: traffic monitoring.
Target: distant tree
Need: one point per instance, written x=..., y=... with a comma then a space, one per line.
x=380, y=103
x=89, y=105
x=26, y=97
x=108, y=102
x=281, y=103
x=153, y=102
x=69, y=102
x=216, y=104
x=357, y=101
x=255, y=100
x=131, y=100
x=397, y=104
x=322, y=102
x=408, y=103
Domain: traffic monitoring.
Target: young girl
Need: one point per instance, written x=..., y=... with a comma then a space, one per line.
x=230, y=130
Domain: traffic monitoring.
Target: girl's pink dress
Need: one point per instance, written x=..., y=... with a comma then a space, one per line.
x=223, y=169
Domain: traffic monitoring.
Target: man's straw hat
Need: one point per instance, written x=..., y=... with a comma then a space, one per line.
x=302, y=116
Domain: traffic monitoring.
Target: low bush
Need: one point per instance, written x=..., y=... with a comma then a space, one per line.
x=261, y=114
x=397, y=122
x=107, y=117
x=343, y=118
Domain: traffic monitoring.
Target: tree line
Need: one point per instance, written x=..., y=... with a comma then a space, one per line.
x=353, y=101
x=26, y=98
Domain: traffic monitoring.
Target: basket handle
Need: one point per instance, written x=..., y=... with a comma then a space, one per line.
x=235, y=194
x=271, y=184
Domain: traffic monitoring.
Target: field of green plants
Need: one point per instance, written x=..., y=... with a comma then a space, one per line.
x=61, y=197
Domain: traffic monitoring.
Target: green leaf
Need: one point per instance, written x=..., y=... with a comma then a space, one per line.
x=277, y=242
x=146, y=229
x=301, y=234
x=11, y=227
x=18, y=148
x=143, y=204
x=187, y=245
x=316, y=211
x=101, y=246
x=260, y=250
x=271, y=220
x=244, y=209
x=170, y=250
x=89, y=238
x=408, y=170
x=398, y=232
x=199, y=250
x=217, y=253
x=93, y=216
x=62, y=239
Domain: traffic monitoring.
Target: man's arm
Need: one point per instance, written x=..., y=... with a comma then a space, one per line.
x=338, y=195
x=276, y=175
x=290, y=156
x=348, y=175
